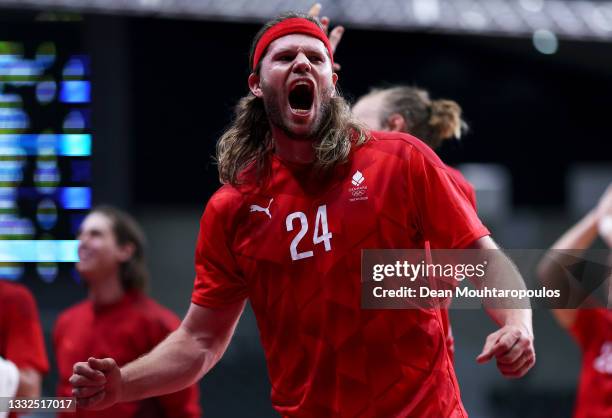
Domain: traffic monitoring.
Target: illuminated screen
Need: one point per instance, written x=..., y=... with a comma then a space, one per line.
x=45, y=150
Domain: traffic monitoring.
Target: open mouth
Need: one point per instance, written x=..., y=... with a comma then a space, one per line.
x=301, y=97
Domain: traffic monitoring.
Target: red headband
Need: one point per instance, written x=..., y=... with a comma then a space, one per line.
x=290, y=26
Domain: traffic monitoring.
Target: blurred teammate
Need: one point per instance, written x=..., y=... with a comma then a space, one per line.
x=411, y=110
x=117, y=320
x=23, y=359
x=591, y=327
x=306, y=188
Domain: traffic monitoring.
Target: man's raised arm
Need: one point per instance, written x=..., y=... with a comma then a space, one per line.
x=176, y=363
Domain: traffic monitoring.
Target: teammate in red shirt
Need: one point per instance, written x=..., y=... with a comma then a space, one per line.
x=592, y=326
x=306, y=188
x=117, y=320
x=22, y=346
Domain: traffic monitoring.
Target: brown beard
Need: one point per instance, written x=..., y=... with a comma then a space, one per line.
x=273, y=112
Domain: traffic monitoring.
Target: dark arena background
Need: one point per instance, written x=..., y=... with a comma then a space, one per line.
x=123, y=103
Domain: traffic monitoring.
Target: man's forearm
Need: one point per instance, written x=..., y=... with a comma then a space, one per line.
x=502, y=274
x=176, y=363
x=512, y=311
x=518, y=317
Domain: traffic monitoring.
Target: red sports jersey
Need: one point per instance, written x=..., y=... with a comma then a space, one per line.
x=593, y=331
x=469, y=192
x=293, y=247
x=21, y=338
x=465, y=186
x=123, y=331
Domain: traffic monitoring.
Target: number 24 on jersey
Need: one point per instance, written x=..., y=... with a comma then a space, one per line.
x=321, y=232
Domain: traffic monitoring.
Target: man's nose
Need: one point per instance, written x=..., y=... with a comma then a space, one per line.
x=301, y=63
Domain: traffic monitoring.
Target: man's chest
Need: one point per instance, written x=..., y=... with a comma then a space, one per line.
x=290, y=227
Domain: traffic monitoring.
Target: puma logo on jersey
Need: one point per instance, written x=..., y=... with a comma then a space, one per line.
x=266, y=210
x=358, y=178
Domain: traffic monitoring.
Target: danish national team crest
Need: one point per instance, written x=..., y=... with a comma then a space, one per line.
x=359, y=191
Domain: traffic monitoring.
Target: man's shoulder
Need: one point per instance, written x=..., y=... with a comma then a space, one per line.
x=226, y=197
x=402, y=145
x=15, y=292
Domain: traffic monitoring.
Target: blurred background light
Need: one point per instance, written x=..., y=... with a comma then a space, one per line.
x=46, y=53
x=75, y=92
x=47, y=271
x=46, y=214
x=67, y=145
x=24, y=251
x=45, y=91
x=75, y=197
x=76, y=67
x=74, y=121
x=13, y=120
x=545, y=41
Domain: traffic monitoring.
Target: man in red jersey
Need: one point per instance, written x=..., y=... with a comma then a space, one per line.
x=23, y=359
x=306, y=188
x=590, y=326
x=117, y=320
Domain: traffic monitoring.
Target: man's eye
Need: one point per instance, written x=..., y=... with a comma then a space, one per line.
x=315, y=58
x=285, y=58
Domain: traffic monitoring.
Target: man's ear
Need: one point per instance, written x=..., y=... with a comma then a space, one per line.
x=397, y=123
x=126, y=252
x=255, y=85
x=334, y=81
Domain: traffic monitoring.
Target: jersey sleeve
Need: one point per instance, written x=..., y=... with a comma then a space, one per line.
x=465, y=186
x=25, y=344
x=218, y=281
x=445, y=214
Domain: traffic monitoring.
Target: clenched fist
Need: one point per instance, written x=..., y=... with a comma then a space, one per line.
x=96, y=383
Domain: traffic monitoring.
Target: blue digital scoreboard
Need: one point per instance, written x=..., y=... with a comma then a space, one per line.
x=45, y=151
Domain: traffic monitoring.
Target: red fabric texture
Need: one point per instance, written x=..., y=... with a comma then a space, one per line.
x=123, y=331
x=593, y=332
x=21, y=338
x=326, y=356
x=294, y=25
x=465, y=186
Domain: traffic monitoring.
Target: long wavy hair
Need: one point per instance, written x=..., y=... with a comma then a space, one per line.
x=247, y=143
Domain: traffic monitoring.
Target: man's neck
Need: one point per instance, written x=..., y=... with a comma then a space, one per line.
x=292, y=150
x=107, y=291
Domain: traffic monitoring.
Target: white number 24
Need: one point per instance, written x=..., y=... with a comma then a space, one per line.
x=324, y=237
